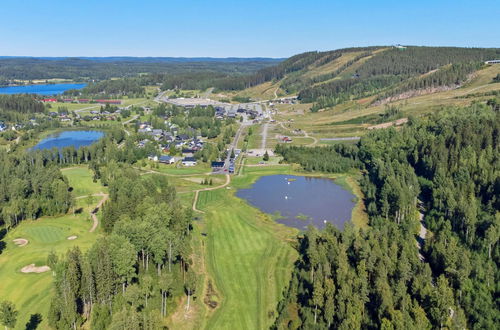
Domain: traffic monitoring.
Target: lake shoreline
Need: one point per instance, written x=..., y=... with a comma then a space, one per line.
x=301, y=200
x=46, y=89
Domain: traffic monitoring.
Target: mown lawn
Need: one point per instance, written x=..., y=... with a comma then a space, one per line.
x=247, y=258
x=31, y=293
x=80, y=179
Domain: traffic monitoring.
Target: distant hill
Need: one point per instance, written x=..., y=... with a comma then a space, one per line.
x=383, y=73
x=82, y=68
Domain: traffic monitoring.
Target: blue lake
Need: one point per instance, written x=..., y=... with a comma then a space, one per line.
x=48, y=89
x=301, y=201
x=69, y=138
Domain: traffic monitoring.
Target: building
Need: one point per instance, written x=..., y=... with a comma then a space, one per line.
x=217, y=165
x=189, y=161
x=167, y=160
x=492, y=62
x=188, y=152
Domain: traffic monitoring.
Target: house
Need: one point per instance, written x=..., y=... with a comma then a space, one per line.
x=182, y=137
x=188, y=152
x=153, y=158
x=168, y=160
x=189, y=161
x=286, y=139
x=49, y=100
x=2, y=127
x=217, y=165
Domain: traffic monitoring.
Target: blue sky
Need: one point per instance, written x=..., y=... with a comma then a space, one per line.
x=272, y=28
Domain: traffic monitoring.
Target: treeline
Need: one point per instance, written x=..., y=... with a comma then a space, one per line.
x=128, y=278
x=88, y=69
x=450, y=76
x=112, y=88
x=378, y=278
x=30, y=188
x=294, y=64
x=419, y=60
x=21, y=103
x=331, y=159
x=295, y=83
x=339, y=91
x=392, y=72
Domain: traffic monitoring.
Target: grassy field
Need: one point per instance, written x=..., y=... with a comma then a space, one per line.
x=80, y=179
x=247, y=256
x=32, y=292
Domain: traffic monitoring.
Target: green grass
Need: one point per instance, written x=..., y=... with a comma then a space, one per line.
x=248, y=255
x=248, y=260
x=31, y=293
x=80, y=178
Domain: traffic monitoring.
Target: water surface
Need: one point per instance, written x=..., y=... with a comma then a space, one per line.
x=301, y=201
x=69, y=138
x=48, y=89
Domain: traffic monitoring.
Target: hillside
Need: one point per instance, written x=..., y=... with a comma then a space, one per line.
x=31, y=68
x=344, y=92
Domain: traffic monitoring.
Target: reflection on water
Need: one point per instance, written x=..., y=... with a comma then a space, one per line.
x=69, y=138
x=301, y=201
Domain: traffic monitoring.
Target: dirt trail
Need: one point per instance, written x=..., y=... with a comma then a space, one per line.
x=174, y=175
x=422, y=234
x=315, y=140
x=92, y=214
x=196, y=193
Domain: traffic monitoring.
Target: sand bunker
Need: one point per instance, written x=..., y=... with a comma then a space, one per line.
x=72, y=237
x=20, y=241
x=34, y=269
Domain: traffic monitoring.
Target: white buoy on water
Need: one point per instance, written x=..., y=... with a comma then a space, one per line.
x=288, y=182
x=324, y=221
x=286, y=197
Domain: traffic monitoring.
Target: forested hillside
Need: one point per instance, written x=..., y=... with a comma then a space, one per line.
x=446, y=167
x=395, y=71
x=128, y=278
x=334, y=77
x=28, y=68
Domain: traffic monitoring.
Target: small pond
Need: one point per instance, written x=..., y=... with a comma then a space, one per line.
x=301, y=201
x=69, y=138
x=47, y=89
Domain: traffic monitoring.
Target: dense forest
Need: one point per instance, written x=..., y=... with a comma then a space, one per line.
x=392, y=72
x=446, y=168
x=128, y=278
x=30, y=188
x=20, y=103
x=28, y=68
x=111, y=88
x=31, y=184
x=294, y=64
